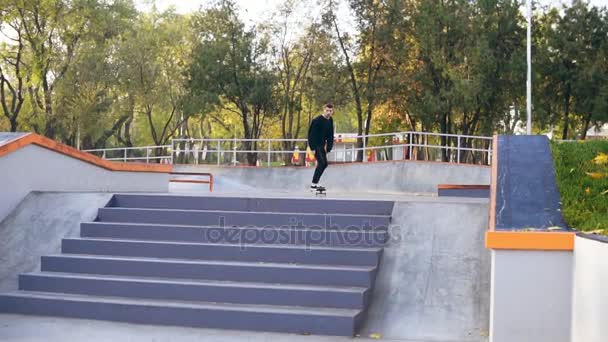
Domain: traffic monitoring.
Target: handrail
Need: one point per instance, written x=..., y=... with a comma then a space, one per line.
x=197, y=181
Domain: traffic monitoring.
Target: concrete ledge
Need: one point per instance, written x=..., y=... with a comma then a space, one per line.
x=35, y=139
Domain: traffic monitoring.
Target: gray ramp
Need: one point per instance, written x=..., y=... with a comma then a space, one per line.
x=434, y=279
x=36, y=226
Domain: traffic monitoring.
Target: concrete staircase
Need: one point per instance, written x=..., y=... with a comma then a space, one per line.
x=283, y=265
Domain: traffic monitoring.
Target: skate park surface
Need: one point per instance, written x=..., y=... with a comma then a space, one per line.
x=433, y=284
x=434, y=279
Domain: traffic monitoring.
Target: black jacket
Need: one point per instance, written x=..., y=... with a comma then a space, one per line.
x=321, y=131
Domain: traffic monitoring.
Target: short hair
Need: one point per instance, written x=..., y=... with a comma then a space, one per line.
x=328, y=105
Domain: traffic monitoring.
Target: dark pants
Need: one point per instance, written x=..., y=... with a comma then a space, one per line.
x=321, y=157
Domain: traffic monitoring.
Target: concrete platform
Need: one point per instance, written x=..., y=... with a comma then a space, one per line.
x=433, y=285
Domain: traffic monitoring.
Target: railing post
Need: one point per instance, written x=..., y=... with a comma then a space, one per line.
x=364, y=149
x=458, y=150
x=172, y=149
x=269, y=152
x=147, y=155
x=410, y=140
x=219, y=151
x=125, y=157
x=234, y=151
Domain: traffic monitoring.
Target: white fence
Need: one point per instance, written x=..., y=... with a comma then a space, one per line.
x=452, y=148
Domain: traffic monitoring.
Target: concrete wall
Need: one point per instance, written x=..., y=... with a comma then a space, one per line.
x=590, y=295
x=531, y=296
x=34, y=168
x=404, y=176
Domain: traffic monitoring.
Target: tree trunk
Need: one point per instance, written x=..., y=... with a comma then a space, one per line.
x=567, y=113
x=586, y=126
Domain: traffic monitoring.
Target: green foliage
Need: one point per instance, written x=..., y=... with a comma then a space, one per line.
x=97, y=73
x=582, y=178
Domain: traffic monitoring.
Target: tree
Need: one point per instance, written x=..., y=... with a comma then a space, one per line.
x=230, y=70
x=12, y=73
x=365, y=59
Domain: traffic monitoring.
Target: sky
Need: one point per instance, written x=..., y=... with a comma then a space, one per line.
x=253, y=9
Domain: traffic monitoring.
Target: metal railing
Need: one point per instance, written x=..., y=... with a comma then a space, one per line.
x=409, y=145
x=158, y=154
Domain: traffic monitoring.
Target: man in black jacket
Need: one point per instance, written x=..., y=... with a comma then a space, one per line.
x=321, y=141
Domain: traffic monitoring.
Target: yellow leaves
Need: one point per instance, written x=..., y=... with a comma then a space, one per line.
x=601, y=159
x=588, y=191
x=375, y=336
x=597, y=175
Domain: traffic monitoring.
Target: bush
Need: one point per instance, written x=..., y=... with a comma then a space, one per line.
x=582, y=178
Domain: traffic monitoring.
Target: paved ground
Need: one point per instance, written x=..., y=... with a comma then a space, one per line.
x=17, y=328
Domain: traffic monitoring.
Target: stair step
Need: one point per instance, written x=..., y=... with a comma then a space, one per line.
x=249, y=235
x=320, y=206
x=274, y=273
x=230, y=252
x=323, y=321
x=244, y=219
x=195, y=290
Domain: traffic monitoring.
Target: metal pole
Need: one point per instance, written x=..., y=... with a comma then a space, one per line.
x=147, y=155
x=219, y=151
x=458, y=151
x=364, y=146
x=529, y=55
x=125, y=155
x=410, y=143
x=269, y=153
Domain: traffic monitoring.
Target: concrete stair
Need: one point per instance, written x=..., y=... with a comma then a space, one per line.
x=282, y=265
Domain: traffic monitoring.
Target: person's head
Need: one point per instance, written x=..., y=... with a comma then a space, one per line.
x=328, y=110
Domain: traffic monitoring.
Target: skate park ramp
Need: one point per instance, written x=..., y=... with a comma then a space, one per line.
x=36, y=227
x=378, y=177
x=433, y=284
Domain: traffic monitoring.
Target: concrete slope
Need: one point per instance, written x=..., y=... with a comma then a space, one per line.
x=36, y=226
x=434, y=280
x=395, y=177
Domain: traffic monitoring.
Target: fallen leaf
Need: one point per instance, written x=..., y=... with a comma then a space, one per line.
x=597, y=231
x=605, y=192
x=596, y=175
x=375, y=336
x=588, y=191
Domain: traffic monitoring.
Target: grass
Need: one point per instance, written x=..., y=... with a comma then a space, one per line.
x=582, y=178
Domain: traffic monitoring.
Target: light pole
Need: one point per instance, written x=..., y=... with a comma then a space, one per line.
x=529, y=55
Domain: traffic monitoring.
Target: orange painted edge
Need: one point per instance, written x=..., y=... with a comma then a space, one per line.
x=44, y=142
x=520, y=240
x=462, y=187
x=493, y=182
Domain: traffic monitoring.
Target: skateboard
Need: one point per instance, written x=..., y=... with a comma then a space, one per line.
x=319, y=191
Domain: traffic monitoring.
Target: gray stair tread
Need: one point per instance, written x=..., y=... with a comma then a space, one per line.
x=220, y=262
x=246, y=212
x=275, y=309
x=225, y=283
x=244, y=246
x=138, y=224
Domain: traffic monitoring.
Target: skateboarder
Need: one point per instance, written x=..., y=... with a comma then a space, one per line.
x=321, y=141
